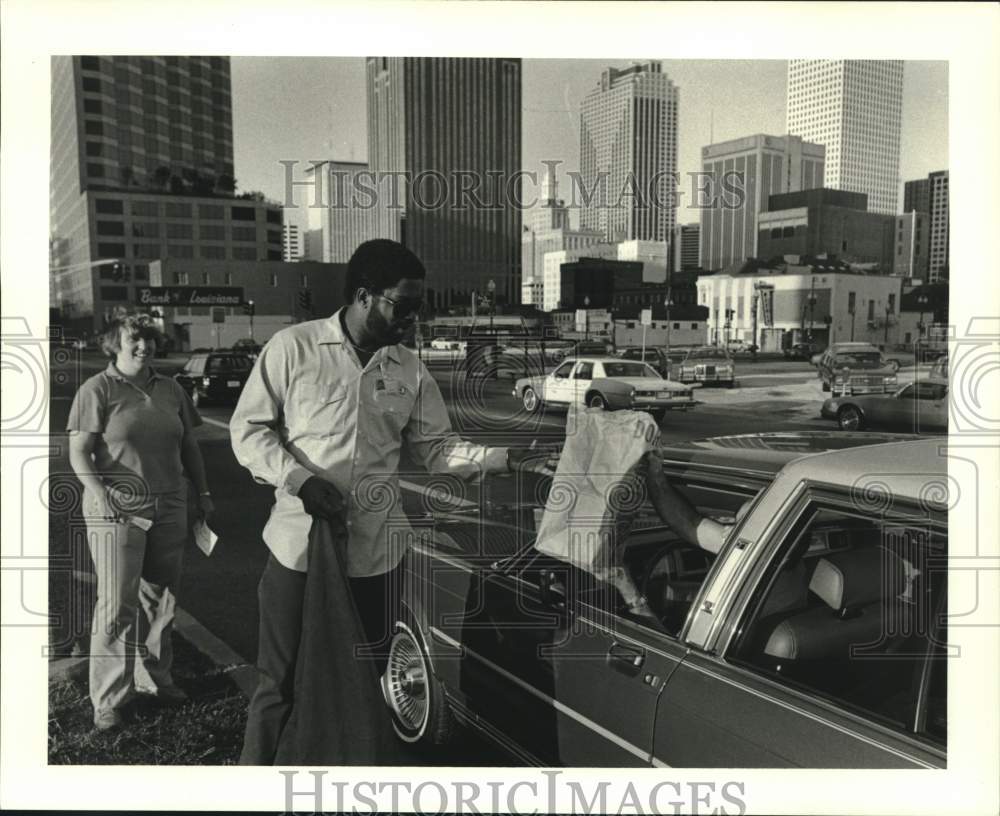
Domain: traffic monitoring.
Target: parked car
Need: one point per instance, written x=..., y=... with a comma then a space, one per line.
x=708, y=364
x=921, y=406
x=590, y=348
x=777, y=652
x=939, y=370
x=856, y=368
x=801, y=351
x=737, y=346
x=656, y=357
x=603, y=382
x=251, y=348
x=215, y=376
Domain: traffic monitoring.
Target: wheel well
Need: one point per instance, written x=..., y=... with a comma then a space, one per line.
x=853, y=405
x=594, y=392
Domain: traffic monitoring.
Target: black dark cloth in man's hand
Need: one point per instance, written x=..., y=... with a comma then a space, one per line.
x=339, y=716
x=321, y=499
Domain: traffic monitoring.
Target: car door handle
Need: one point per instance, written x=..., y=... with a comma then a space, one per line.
x=626, y=659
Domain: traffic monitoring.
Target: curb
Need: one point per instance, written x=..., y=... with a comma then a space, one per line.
x=242, y=673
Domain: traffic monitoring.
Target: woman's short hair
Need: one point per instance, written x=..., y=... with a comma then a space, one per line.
x=380, y=264
x=137, y=325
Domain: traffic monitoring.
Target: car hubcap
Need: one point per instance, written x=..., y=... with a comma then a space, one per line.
x=850, y=420
x=530, y=400
x=596, y=402
x=406, y=683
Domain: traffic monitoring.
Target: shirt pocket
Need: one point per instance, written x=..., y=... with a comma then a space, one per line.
x=321, y=409
x=392, y=406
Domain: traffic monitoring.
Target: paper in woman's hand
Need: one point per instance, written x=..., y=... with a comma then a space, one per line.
x=204, y=537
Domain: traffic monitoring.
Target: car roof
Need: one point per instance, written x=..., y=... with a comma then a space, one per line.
x=853, y=345
x=767, y=453
x=602, y=358
x=914, y=469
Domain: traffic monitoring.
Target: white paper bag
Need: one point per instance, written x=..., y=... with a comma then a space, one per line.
x=597, y=489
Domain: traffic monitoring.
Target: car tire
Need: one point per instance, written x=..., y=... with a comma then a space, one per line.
x=530, y=400
x=850, y=418
x=597, y=401
x=658, y=415
x=417, y=703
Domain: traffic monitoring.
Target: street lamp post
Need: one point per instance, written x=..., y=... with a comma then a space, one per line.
x=888, y=311
x=586, y=317
x=250, y=304
x=666, y=305
x=492, y=288
x=922, y=300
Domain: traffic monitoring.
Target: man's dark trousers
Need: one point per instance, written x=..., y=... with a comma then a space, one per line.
x=280, y=596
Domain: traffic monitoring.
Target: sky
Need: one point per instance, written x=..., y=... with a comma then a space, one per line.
x=312, y=108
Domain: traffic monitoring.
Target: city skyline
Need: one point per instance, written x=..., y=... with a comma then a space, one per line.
x=719, y=100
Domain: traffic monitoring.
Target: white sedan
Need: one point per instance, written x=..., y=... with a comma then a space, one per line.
x=604, y=382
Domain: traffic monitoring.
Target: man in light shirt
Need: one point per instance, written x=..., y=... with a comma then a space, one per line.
x=323, y=417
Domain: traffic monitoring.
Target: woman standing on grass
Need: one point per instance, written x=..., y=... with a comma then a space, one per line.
x=130, y=444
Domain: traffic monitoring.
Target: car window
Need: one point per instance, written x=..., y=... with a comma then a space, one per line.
x=859, y=359
x=195, y=366
x=929, y=391
x=627, y=369
x=225, y=365
x=907, y=392
x=562, y=372
x=849, y=614
x=584, y=372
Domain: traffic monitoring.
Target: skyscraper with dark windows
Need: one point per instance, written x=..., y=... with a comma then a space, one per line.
x=141, y=168
x=437, y=127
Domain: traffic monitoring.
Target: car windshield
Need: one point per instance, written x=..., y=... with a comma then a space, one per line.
x=222, y=365
x=707, y=354
x=859, y=359
x=630, y=370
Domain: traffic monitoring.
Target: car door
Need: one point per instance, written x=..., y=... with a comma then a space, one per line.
x=558, y=385
x=583, y=376
x=931, y=407
x=779, y=676
x=895, y=412
x=551, y=666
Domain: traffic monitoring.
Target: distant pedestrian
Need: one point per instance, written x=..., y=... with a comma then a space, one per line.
x=324, y=417
x=131, y=445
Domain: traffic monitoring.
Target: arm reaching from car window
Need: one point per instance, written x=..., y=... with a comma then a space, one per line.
x=676, y=511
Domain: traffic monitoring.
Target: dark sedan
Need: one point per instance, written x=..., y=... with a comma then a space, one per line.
x=772, y=653
x=920, y=407
x=215, y=376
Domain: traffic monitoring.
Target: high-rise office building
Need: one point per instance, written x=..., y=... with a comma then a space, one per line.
x=628, y=154
x=685, y=248
x=917, y=196
x=938, y=253
x=436, y=127
x=740, y=176
x=854, y=109
x=291, y=243
x=930, y=196
x=341, y=215
x=142, y=168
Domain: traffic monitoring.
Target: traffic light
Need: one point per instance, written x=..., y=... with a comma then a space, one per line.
x=248, y=308
x=305, y=300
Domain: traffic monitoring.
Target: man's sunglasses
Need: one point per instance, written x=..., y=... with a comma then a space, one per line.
x=403, y=308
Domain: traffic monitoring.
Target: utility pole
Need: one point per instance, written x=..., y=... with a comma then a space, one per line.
x=666, y=304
